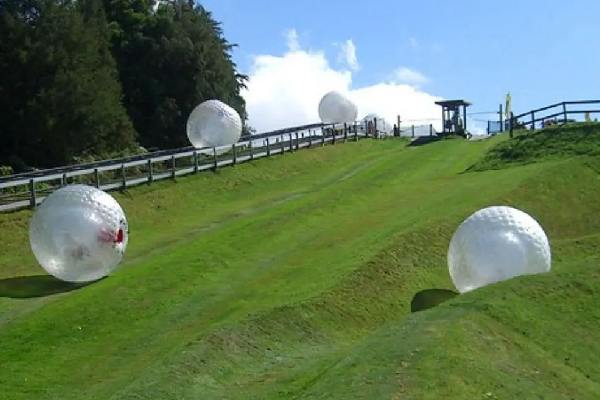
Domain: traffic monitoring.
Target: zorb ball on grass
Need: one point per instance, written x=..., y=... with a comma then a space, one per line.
x=78, y=233
x=495, y=244
x=335, y=108
x=382, y=125
x=213, y=124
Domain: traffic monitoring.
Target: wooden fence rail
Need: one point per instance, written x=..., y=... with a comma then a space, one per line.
x=29, y=189
x=552, y=114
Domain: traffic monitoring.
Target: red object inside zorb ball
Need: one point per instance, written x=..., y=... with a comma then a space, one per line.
x=119, y=238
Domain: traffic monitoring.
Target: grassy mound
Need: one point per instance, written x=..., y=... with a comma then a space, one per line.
x=551, y=143
x=292, y=277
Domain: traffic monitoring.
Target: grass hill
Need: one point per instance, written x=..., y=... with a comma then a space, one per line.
x=292, y=278
x=554, y=142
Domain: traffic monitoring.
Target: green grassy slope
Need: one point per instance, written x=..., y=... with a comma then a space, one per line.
x=292, y=277
x=554, y=142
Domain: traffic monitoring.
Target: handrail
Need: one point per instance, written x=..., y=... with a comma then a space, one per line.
x=532, y=118
x=539, y=109
x=146, y=156
x=29, y=189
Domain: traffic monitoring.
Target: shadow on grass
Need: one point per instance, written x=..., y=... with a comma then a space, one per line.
x=429, y=298
x=25, y=287
x=423, y=140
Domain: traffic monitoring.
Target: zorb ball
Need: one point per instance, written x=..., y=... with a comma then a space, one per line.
x=213, y=124
x=495, y=244
x=382, y=125
x=335, y=108
x=78, y=233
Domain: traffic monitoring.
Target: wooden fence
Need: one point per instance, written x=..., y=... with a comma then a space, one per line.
x=29, y=189
x=559, y=113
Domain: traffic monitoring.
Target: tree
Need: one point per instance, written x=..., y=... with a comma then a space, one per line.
x=79, y=75
x=63, y=98
x=170, y=60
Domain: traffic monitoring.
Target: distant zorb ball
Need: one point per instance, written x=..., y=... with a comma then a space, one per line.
x=78, y=233
x=213, y=124
x=335, y=108
x=495, y=244
x=382, y=125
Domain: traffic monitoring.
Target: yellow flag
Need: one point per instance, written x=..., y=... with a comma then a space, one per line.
x=507, y=107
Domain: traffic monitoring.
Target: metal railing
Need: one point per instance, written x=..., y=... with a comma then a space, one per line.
x=29, y=189
x=415, y=131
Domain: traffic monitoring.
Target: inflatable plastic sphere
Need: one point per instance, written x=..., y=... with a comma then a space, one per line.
x=212, y=124
x=495, y=244
x=382, y=125
x=78, y=233
x=335, y=108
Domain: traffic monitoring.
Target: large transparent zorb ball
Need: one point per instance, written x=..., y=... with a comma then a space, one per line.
x=78, y=233
x=213, y=124
x=336, y=108
x=495, y=244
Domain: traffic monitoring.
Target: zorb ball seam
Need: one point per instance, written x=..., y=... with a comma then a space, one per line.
x=495, y=244
x=336, y=108
x=78, y=233
x=212, y=124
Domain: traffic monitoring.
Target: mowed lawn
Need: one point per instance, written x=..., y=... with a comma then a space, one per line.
x=292, y=277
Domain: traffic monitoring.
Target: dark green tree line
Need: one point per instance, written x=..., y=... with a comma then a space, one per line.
x=60, y=96
x=96, y=77
x=170, y=60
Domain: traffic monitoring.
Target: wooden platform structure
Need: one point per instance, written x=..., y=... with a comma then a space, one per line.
x=452, y=123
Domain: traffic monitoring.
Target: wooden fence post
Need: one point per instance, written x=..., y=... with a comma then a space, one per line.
x=532, y=120
x=234, y=154
x=345, y=132
x=173, y=168
x=195, y=161
x=32, y=199
x=63, y=180
x=333, y=133
x=251, y=150
x=309, y=138
x=430, y=129
x=123, y=177
x=268, y=148
x=96, y=178
x=215, y=160
x=564, y=106
x=150, y=174
x=511, y=124
x=297, y=142
x=355, y=132
x=413, y=130
x=500, y=113
x=322, y=137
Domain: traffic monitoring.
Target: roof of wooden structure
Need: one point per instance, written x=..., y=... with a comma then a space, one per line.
x=452, y=103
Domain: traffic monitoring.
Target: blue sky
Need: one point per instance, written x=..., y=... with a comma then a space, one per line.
x=540, y=51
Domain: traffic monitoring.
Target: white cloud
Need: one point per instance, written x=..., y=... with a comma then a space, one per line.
x=391, y=99
x=293, y=43
x=285, y=91
x=347, y=55
x=410, y=76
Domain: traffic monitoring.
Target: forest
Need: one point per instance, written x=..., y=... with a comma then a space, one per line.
x=93, y=79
